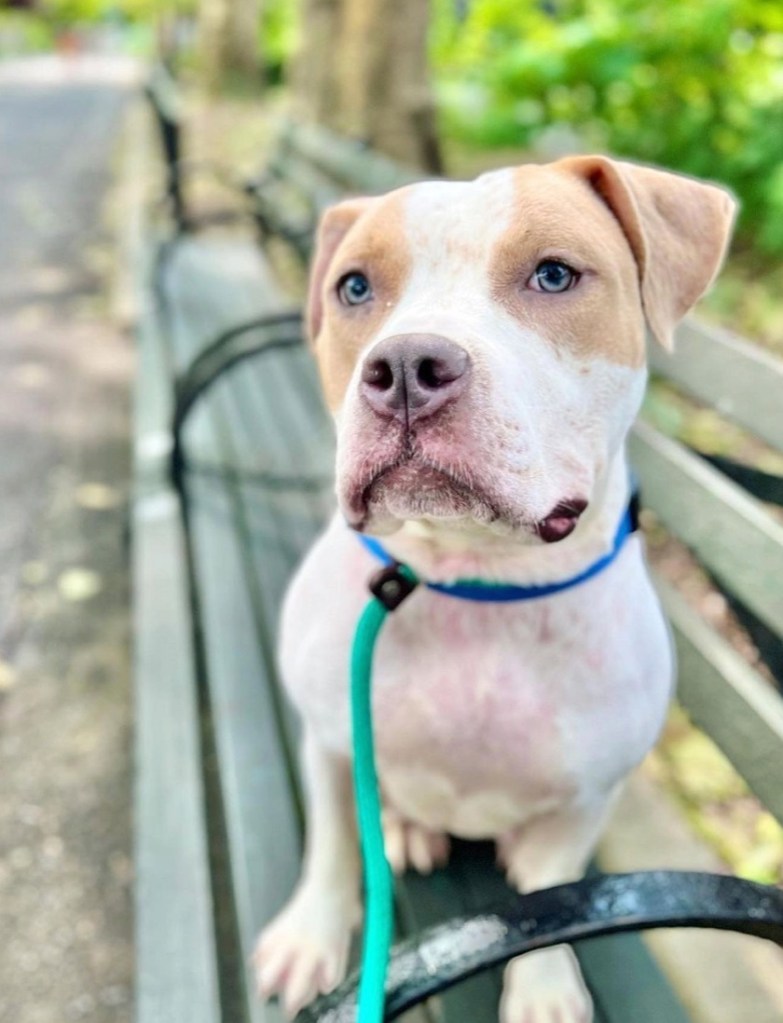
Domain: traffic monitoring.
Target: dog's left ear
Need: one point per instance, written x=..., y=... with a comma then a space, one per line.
x=678, y=229
x=335, y=223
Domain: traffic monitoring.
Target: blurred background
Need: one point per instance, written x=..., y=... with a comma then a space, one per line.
x=452, y=87
x=460, y=84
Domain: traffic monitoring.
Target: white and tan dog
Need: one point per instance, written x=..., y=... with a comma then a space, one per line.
x=482, y=349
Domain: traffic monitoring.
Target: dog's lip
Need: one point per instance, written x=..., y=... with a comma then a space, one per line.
x=360, y=501
x=562, y=520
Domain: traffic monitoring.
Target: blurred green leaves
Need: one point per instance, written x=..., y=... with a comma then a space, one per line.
x=697, y=87
x=75, y=11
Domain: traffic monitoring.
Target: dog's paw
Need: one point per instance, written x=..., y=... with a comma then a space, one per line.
x=545, y=987
x=411, y=845
x=304, y=951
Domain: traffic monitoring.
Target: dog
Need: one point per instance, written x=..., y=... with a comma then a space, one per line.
x=481, y=346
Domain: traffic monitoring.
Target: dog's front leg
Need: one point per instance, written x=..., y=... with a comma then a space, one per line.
x=554, y=849
x=304, y=950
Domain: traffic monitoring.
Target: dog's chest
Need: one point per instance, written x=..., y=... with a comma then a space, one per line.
x=486, y=716
x=486, y=713
x=467, y=730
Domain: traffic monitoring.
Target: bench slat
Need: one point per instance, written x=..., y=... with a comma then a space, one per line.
x=305, y=179
x=176, y=963
x=626, y=982
x=176, y=959
x=728, y=700
x=731, y=533
x=348, y=162
x=742, y=380
x=259, y=805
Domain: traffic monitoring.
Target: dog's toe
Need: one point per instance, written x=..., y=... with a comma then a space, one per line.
x=304, y=951
x=409, y=844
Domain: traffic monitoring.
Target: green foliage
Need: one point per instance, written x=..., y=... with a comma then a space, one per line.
x=697, y=87
x=278, y=32
x=22, y=33
x=71, y=12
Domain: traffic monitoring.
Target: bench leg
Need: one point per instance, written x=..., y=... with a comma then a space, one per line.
x=304, y=950
x=551, y=850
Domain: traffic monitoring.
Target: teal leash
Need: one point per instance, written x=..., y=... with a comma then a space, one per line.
x=390, y=587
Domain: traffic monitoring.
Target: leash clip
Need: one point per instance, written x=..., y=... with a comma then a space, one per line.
x=391, y=585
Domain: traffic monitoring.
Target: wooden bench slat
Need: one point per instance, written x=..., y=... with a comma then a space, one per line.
x=152, y=406
x=731, y=533
x=176, y=962
x=176, y=959
x=728, y=700
x=259, y=804
x=213, y=284
x=626, y=983
x=355, y=168
x=743, y=381
x=304, y=178
x=280, y=417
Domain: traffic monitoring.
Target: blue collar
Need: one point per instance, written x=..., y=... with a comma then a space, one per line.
x=475, y=589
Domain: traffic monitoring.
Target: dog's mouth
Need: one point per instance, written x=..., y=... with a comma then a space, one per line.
x=413, y=488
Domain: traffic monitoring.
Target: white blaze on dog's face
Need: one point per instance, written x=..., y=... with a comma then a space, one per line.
x=482, y=345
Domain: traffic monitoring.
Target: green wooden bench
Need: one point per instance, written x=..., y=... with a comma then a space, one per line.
x=218, y=807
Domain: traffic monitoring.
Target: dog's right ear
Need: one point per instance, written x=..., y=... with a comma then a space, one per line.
x=335, y=223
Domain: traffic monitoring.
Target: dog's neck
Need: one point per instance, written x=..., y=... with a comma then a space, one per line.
x=439, y=554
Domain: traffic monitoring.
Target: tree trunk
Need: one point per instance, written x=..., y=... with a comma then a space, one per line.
x=228, y=41
x=211, y=18
x=362, y=70
x=241, y=41
x=315, y=69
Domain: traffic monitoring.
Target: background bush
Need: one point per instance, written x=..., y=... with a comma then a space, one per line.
x=694, y=86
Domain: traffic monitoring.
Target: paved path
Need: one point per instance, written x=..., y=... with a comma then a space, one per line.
x=65, y=866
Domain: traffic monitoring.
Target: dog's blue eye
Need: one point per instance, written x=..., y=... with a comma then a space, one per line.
x=553, y=276
x=354, y=289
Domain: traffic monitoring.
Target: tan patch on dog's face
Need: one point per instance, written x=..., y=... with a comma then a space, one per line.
x=376, y=246
x=557, y=216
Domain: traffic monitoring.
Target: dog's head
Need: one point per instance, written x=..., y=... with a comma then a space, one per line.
x=482, y=345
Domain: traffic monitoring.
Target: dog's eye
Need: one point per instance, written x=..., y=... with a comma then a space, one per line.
x=553, y=276
x=354, y=289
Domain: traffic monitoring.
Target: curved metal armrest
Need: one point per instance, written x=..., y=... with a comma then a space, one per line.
x=258, y=336
x=443, y=955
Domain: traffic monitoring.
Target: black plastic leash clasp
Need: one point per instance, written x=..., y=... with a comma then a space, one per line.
x=391, y=585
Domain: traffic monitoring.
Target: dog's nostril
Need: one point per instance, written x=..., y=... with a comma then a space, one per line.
x=429, y=374
x=433, y=372
x=378, y=374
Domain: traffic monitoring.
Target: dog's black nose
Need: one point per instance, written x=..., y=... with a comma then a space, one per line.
x=412, y=376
